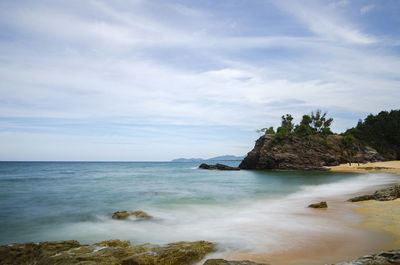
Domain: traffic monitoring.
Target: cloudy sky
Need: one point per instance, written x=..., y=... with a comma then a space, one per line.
x=156, y=79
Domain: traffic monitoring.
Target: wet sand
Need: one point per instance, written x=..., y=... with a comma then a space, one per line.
x=341, y=240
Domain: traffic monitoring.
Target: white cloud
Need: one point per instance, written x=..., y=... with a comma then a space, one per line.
x=366, y=9
x=325, y=22
x=340, y=3
x=129, y=66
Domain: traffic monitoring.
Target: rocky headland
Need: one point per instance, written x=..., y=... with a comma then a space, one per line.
x=311, y=145
x=306, y=153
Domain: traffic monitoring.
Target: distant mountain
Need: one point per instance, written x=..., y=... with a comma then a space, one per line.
x=218, y=158
x=227, y=158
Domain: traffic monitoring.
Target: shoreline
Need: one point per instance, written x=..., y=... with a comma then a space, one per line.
x=383, y=216
x=379, y=220
x=349, y=241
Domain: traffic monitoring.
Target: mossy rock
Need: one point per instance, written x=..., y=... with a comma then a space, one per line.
x=124, y=214
x=179, y=253
x=318, y=205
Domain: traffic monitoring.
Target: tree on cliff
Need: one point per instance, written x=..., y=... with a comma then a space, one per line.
x=269, y=130
x=316, y=123
x=319, y=122
x=286, y=127
x=304, y=128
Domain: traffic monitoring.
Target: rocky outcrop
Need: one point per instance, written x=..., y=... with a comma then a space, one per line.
x=305, y=153
x=110, y=252
x=227, y=262
x=218, y=167
x=382, y=258
x=318, y=205
x=124, y=214
x=387, y=194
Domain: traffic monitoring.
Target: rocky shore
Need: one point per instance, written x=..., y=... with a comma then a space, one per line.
x=116, y=252
x=386, y=194
x=110, y=252
x=391, y=257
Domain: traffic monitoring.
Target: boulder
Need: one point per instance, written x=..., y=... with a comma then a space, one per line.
x=218, y=167
x=318, y=205
x=124, y=214
x=230, y=262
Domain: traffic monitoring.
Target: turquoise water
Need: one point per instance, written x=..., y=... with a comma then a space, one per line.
x=43, y=201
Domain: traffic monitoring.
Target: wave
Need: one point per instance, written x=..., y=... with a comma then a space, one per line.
x=258, y=224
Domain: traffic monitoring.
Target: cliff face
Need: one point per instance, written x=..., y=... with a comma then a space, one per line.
x=306, y=153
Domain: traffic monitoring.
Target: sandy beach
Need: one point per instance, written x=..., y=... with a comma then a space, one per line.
x=379, y=215
x=387, y=166
x=383, y=216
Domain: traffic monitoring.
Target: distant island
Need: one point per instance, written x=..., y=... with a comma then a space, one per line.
x=217, y=158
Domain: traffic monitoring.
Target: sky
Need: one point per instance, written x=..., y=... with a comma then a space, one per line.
x=154, y=80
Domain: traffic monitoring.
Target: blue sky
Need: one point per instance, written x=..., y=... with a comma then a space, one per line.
x=156, y=80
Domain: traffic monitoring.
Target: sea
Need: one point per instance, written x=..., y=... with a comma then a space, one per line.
x=246, y=209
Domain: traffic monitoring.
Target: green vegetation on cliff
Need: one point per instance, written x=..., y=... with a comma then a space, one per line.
x=314, y=124
x=381, y=132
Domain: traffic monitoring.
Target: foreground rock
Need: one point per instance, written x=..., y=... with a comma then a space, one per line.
x=124, y=214
x=318, y=205
x=110, y=252
x=383, y=258
x=387, y=194
x=300, y=153
x=227, y=262
x=218, y=167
